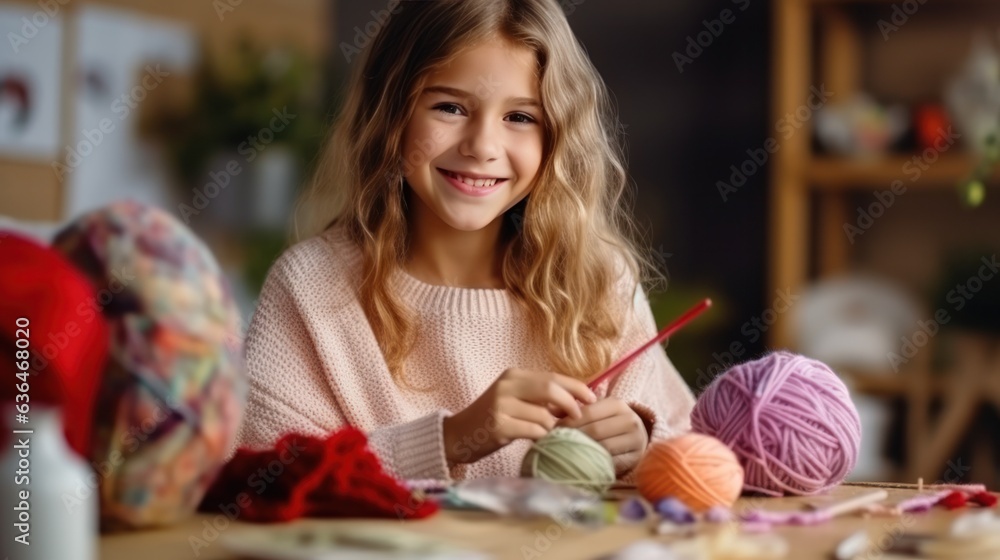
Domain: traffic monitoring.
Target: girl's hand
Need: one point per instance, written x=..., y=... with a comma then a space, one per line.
x=519, y=404
x=617, y=427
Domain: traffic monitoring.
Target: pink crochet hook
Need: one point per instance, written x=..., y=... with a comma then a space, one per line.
x=670, y=329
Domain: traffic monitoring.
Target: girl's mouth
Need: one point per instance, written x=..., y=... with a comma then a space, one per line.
x=471, y=181
x=469, y=186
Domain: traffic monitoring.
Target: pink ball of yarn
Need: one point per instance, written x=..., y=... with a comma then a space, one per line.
x=788, y=418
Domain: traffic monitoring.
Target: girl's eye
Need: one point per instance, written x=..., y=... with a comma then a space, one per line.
x=528, y=119
x=444, y=108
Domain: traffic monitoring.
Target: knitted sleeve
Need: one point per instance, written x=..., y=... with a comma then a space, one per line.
x=651, y=384
x=289, y=392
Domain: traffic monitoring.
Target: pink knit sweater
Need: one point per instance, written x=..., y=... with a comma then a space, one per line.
x=315, y=365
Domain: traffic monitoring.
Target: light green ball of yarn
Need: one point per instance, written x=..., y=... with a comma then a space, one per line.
x=569, y=456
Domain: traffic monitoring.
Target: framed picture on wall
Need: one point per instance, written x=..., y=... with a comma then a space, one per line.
x=30, y=70
x=108, y=160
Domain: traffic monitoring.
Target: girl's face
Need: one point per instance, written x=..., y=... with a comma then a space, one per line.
x=473, y=146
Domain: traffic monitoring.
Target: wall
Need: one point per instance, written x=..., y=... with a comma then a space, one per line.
x=32, y=191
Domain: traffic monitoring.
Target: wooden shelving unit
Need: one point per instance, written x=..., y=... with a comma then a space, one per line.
x=832, y=173
x=818, y=42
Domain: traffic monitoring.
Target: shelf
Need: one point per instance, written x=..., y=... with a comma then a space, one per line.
x=887, y=384
x=834, y=173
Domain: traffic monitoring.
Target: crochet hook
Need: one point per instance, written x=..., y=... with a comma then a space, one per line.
x=667, y=331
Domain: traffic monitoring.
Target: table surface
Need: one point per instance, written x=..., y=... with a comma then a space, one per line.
x=507, y=538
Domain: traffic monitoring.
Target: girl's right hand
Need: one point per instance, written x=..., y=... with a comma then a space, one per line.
x=519, y=404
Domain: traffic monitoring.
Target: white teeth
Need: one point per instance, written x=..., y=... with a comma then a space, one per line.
x=474, y=182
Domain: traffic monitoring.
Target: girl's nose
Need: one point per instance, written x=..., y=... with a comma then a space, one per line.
x=481, y=141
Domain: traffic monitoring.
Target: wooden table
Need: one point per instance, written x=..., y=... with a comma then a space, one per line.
x=510, y=539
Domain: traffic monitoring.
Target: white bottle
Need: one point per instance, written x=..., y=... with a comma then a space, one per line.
x=47, y=492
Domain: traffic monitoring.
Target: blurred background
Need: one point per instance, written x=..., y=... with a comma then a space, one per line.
x=823, y=169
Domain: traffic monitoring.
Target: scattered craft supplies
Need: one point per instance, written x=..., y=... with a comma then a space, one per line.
x=816, y=516
x=532, y=497
x=950, y=496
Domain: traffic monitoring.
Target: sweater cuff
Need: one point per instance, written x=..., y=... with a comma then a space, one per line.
x=649, y=420
x=648, y=417
x=416, y=448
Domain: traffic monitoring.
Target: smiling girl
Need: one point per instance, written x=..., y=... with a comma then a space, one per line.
x=464, y=265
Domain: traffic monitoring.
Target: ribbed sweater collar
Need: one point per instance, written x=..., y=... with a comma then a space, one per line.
x=429, y=298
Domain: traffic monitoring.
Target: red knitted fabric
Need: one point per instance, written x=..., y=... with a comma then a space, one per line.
x=312, y=477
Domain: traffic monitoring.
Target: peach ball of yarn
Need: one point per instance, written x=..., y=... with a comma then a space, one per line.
x=697, y=469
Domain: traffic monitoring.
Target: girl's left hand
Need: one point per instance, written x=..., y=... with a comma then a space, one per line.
x=613, y=424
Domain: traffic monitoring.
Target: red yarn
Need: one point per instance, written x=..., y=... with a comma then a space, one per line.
x=984, y=499
x=305, y=476
x=954, y=500
x=67, y=335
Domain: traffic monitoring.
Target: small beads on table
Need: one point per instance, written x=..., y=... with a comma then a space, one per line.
x=718, y=514
x=672, y=509
x=633, y=509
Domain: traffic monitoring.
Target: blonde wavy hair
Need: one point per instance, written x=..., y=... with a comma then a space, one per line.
x=563, y=247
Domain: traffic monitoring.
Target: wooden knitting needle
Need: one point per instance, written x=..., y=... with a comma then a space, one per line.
x=670, y=329
x=853, y=504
